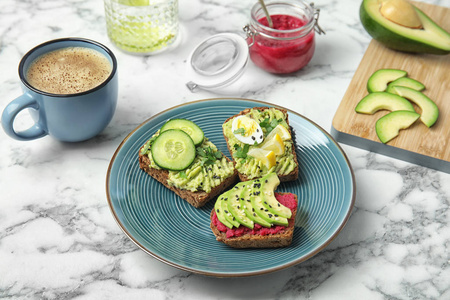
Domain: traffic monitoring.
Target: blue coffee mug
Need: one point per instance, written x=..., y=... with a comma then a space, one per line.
x=65, y=117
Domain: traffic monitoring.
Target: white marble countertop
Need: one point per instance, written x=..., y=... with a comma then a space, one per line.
x=58, y=238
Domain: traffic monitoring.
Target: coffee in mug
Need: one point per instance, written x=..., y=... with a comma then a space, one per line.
x=70, y=88
x=68, y=70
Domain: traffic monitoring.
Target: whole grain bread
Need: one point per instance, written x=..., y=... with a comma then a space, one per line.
x=287, y=177
x=196, y=199
x=282, y=239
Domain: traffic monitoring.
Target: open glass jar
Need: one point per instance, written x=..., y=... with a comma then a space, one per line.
x=289, y=45
x=220, y=60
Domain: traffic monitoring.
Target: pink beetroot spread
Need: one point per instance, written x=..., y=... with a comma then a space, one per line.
x=283, y=56
x=287, y=200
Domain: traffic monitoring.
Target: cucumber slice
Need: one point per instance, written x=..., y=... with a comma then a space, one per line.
x=379, y=80
x=376, y=101
x=388, y=127
x=195, y=132
x=173, y=150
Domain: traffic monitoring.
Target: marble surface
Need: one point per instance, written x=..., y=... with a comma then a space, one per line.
x=58, y=239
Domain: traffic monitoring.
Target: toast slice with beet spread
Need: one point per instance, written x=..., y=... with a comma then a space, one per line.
x=260, y=141
x=252, y=215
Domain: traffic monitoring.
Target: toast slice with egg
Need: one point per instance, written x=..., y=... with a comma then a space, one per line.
x=264, y=118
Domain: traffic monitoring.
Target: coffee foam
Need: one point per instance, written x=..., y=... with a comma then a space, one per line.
x=69, y=70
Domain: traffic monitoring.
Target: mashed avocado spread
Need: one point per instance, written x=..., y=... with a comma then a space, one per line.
x=247, y=164
x=207, y=171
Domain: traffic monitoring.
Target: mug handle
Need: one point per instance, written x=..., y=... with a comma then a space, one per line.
x=10, y=112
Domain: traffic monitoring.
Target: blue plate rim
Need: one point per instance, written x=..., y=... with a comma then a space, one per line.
x=233, y=274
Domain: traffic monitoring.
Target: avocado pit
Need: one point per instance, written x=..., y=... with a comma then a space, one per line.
x=400, y=12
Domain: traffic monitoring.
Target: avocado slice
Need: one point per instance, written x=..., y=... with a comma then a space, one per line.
x=221, y=212
x=246, y=195
x=236, y=208
x=388, y=126
x=407, y=82
x=430, y=111
x=257, y=201
x=268, y=185
x=374, y=102
x=388, y=30
x=379, y=80
x=229, y=218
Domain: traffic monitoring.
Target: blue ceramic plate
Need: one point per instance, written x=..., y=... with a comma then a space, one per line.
x=172, y=231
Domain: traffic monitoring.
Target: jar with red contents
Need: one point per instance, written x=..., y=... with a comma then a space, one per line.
x=219, y=62
x=289, y=44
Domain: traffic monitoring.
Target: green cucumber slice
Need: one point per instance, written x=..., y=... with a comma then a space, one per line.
x=195, y=132
x=376, y=101
x=388, y=126
x=173, y=150
x=379, y=80
x=430, y=111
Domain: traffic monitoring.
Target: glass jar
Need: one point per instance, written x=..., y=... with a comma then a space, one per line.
x=289, y=45
x=222, y=60
x=142, y=26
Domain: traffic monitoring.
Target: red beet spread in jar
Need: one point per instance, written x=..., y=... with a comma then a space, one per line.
x=287, y=200
x=284, y=51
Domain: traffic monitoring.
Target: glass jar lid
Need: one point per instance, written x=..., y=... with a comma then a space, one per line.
x=217, y=61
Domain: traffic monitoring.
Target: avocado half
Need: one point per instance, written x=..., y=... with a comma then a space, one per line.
x=430, y=38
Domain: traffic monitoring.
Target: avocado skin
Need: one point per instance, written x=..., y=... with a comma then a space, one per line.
x=393, y=40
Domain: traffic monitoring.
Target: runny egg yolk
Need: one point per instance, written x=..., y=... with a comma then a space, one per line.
x=247, y=130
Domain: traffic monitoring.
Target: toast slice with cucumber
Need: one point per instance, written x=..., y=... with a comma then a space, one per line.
x=260, y=141
x=181, y=158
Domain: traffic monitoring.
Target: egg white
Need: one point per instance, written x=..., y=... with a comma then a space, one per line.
x=253, y=132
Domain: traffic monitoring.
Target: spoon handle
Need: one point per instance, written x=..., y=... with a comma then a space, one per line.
x=266, y=12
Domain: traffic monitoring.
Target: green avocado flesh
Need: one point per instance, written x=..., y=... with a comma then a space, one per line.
x=374, y=102
x=406, y=82
x=236, y=208
x=430, y=111
x=252, y=202
x=379, y=80
x=246, y=200
x=388, y=127
x=430, y=39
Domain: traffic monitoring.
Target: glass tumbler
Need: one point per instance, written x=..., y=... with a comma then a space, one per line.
x=142, y=26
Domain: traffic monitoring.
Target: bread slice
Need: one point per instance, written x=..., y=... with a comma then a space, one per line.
x=196, y=199
x=287, y=177
x=281, y=239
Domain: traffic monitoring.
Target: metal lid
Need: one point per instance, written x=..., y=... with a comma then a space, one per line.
x=217, y=61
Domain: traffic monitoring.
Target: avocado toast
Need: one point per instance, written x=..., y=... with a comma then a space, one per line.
x=252, y=215
x=188, y=164
x=260, y=141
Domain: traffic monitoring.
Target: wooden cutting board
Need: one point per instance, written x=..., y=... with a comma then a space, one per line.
x=418, y=144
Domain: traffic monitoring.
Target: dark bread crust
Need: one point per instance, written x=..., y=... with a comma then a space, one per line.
x=278, y=240
x=288, y=177
x=196, y=199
